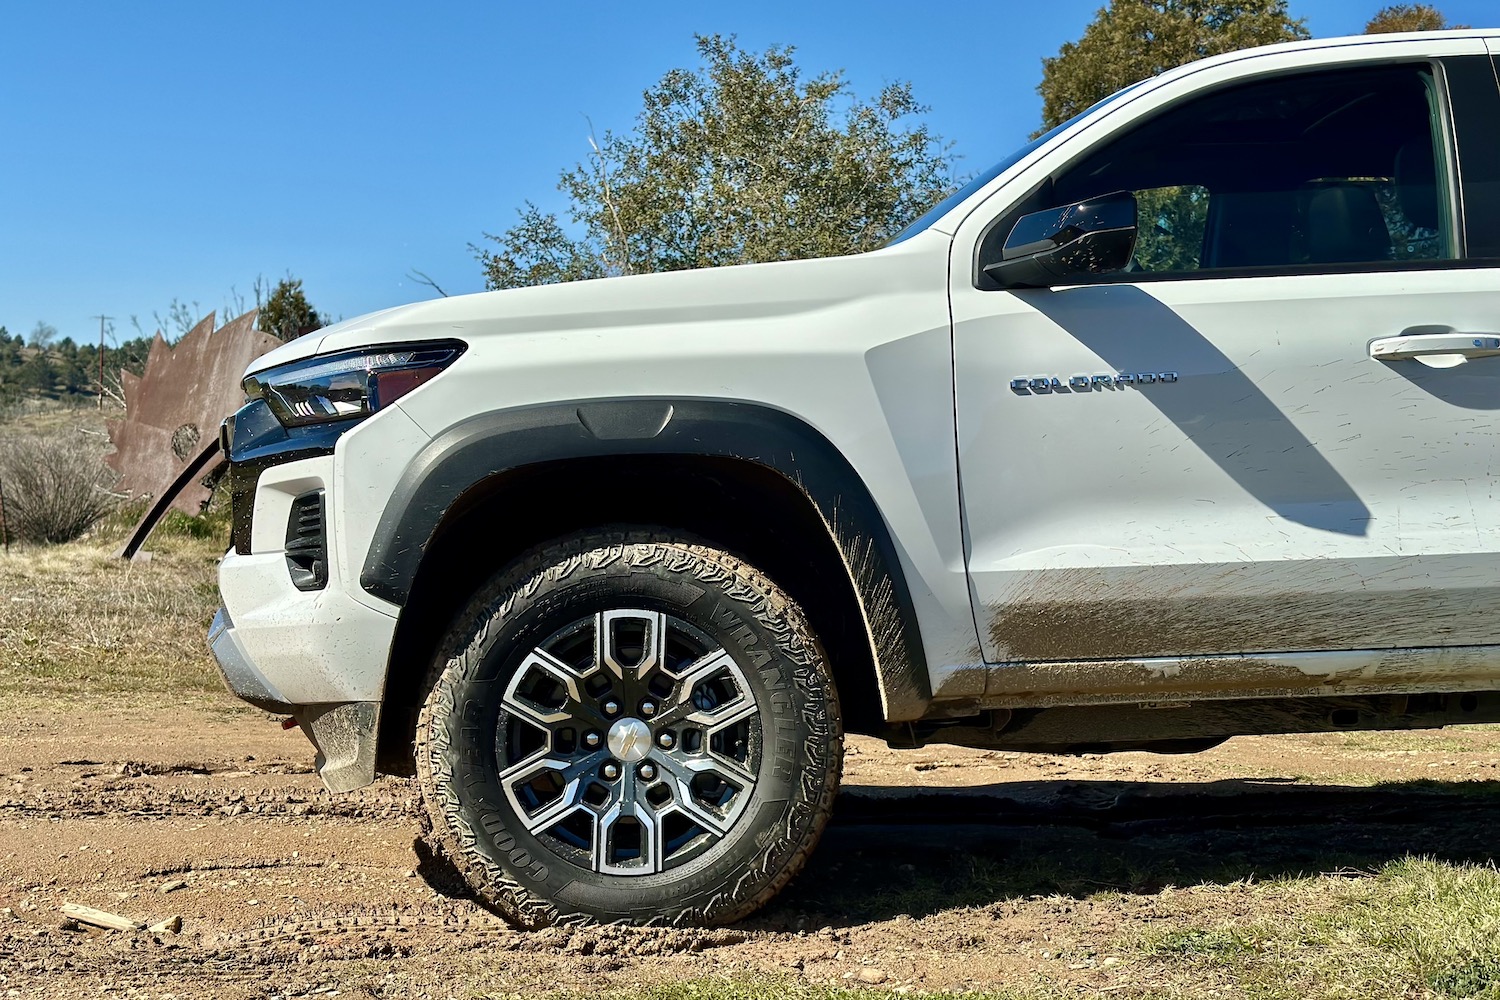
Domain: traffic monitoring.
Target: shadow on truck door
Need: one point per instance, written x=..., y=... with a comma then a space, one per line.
x=1214, y=403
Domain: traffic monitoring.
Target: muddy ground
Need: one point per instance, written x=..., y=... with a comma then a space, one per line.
x=944, y=869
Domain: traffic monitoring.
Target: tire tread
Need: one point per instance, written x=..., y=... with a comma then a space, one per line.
x=450, y=837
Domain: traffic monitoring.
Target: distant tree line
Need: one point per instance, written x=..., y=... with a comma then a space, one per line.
x=42, y=365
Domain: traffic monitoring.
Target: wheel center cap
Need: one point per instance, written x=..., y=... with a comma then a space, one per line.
x=630, y=740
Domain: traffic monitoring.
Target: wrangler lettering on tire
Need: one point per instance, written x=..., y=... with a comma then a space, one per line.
x=626, y=726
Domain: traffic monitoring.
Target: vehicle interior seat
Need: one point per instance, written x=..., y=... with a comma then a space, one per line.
x=1345, y=226
x=1250, y=229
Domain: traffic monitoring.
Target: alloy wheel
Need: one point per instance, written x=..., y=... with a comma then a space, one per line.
x=629, y=742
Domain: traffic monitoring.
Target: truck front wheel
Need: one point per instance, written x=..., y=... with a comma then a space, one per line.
x=627, y=727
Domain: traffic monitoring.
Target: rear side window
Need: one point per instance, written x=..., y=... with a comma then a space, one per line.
x=1335, y=167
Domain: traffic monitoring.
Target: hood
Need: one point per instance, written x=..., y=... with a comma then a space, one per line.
x=742, y=292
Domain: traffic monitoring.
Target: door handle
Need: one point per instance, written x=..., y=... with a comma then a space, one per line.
x=1436, y=350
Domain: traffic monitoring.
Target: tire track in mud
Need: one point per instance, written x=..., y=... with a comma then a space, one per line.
x=287, y=791
x=891, y=856
x=88, y=789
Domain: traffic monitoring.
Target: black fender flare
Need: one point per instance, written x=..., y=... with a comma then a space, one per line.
x=495, y=443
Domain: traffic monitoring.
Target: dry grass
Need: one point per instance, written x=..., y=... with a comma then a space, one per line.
x=45, y=416
x=1454, y=739
x=76, y=623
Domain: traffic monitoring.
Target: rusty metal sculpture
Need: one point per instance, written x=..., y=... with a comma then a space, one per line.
x=170, y=432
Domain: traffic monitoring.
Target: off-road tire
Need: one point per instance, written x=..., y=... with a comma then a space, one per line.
x=465, y=814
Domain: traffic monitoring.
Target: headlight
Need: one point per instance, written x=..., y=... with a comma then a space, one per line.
x=350, y=384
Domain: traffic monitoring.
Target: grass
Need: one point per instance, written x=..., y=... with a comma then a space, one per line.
x=1454, y=739
x=761, y=988
x=77, y=623
x=1218, y=944
x=1417, y=928
x=34, y=415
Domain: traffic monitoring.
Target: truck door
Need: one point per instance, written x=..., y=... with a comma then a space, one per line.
x=1275, y=430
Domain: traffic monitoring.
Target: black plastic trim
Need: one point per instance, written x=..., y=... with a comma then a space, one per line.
x=256, y=442
x=1277, y=271
x=1474, y=95
x=307, y=542
x=494, y=444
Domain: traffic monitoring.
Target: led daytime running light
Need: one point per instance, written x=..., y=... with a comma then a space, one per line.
x=344, y=386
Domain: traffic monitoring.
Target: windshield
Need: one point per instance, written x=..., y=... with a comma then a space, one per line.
x=979, y=180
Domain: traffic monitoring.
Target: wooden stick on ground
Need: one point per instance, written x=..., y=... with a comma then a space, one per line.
x=99, y=918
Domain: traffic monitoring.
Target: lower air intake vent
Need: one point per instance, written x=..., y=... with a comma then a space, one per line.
x=307, y=543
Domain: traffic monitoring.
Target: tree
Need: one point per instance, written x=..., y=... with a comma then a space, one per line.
x=1408, y=17
x=76, y=378
x=39, y=373
x=1132, y=40
x=286, y=313
x=42, y=335
x=743, y=159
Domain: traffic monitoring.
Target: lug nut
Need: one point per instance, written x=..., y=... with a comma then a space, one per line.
x=611, y=708
x=665, y=741
x=611, y=772
x=648, y=771
x=591, y=739
x=648, y=708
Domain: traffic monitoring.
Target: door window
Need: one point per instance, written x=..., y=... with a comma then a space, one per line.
x=1297, y=172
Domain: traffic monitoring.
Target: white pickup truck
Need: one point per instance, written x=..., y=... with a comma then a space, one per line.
x=1179, y=423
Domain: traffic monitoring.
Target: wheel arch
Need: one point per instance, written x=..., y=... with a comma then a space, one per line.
x=757, y=481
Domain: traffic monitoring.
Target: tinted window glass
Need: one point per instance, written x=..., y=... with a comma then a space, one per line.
x=1334, y=167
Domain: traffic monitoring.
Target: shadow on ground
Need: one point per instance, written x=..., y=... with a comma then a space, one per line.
x=890, y=854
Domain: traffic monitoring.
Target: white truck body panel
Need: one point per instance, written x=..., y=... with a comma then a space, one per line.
x=1344, y=504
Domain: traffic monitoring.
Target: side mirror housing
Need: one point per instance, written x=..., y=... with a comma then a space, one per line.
x=1052, y=247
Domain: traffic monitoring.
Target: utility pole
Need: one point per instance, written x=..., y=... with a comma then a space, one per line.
x=101, y=320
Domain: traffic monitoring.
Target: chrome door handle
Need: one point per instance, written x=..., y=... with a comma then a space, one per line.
x=1436, y=350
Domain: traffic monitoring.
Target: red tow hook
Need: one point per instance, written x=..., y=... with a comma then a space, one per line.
x=290, y=722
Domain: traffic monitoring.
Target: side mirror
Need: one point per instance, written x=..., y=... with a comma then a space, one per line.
x=1048, y=248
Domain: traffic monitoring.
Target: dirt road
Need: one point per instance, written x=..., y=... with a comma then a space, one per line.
x=944, y=869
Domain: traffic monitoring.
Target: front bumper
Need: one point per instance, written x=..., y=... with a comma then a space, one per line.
x=239, y=673
x=319, y=655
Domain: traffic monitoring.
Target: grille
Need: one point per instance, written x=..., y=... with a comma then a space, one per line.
x=307, y=542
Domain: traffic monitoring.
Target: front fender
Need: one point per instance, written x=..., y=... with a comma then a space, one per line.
x=494, y=443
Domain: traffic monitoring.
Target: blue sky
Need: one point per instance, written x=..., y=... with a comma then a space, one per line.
x=179, y=149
